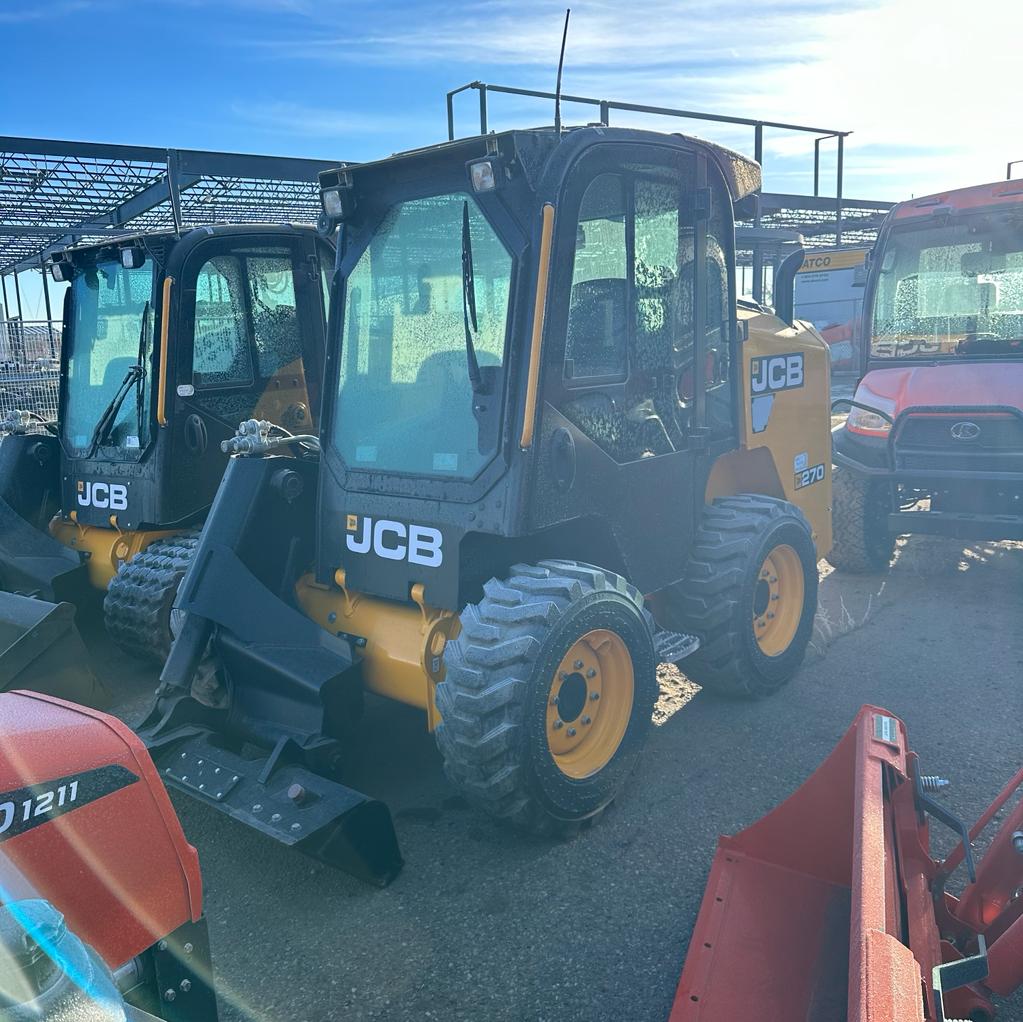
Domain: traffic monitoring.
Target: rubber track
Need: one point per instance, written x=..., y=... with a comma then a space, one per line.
x=137, y=606
x=483, y=696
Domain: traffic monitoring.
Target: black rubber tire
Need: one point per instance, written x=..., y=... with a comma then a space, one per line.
x=860, y=541
x=716, y=598
x=138, y=602
x=493, y=698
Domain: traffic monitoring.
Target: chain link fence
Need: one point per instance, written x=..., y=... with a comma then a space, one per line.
x=29, y=367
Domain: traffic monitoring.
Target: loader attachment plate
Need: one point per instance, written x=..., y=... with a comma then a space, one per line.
x=41, y=650
x=288, y=802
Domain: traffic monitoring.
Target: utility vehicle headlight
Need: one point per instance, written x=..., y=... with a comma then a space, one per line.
x=871, y=423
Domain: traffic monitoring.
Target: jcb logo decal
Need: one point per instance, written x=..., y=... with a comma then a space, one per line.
x=776, y=372
x=111, y=495
x=418, y=544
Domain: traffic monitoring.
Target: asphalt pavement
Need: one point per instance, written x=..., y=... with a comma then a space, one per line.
x=484, y=924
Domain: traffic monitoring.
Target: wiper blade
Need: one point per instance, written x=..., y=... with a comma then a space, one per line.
x=469, y=304
x=134, y=375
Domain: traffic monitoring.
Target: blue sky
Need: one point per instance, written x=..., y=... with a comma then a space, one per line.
x=929, y=87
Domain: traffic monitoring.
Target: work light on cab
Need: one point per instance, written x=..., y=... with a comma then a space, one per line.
x=133, y=257
x=485, y=175
x=62, y=270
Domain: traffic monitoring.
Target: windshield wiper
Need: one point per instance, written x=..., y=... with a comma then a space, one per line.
x=134, y=375
x=469, y=304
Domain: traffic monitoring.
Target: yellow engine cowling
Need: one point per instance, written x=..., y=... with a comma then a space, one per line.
x=106, y=548
x=400, y=646
x=785, y=426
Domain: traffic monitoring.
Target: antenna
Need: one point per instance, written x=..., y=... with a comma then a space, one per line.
x=561, y=67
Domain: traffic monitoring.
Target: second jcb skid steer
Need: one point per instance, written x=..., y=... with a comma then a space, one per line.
x=168, y=340
x=553, y=454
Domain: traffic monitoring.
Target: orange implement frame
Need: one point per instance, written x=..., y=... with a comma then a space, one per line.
x=832, y=909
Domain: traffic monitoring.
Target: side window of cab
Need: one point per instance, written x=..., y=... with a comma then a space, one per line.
x=629, y=331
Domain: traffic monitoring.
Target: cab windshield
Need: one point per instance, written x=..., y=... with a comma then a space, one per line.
x=111, y=333
x=950, y=290
x=408, y=401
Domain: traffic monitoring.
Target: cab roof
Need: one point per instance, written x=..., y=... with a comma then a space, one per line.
x=976, y=197
x=742, y=174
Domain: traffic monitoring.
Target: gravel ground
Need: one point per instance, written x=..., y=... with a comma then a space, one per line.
x=486, y=925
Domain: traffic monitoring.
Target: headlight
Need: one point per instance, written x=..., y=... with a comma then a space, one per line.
x=133, y=257
x=871, y=423
x=63, y=270
x=333, y=204
x=484, y=175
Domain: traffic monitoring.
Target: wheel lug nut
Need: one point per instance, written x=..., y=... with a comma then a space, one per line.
x=571, y=732
x=559, y=724
x=770, y=615
x=591, y=673
x=774, y=596
x=586, y=720
x=578, y=665
x=554, y=701
x=594, y=696
x=564, y=676
x=761, y=623
x=773, y=579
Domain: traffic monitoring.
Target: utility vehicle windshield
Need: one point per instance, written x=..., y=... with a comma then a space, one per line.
x=951, y=290
x=424, y=296
x=109, y=352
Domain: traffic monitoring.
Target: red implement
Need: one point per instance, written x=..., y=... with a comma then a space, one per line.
x=85, y=822
x=832, y=909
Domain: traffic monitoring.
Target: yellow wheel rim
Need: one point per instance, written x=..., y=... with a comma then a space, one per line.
x=778, y=600
x=589, y=703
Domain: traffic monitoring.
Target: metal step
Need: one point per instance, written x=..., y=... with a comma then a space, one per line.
x=671, y=647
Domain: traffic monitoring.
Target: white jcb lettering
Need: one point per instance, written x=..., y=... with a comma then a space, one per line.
x=103, y=495
x=361, y=544
x=394, y=541
x=382, y=529
x=776, y=372
x=424, y=546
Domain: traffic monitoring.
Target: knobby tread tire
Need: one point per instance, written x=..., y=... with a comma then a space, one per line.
x=861, y=543
x=714, y=598
x=138, y=602
x=486, y=694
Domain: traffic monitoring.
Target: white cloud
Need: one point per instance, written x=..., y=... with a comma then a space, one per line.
x=929, y=88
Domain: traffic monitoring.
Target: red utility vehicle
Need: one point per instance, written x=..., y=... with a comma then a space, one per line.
x=934, y=439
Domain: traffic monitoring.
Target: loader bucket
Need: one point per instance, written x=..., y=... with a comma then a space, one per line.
x=825, y=909
x=41, y=650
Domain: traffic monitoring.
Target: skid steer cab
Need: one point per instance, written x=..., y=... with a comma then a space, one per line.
x=834, y=906
x=100, y=893
x=167, y=343
x=555, y=451
x=933, y=443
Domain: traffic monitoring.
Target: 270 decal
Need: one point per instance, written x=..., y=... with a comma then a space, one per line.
x=809, y=476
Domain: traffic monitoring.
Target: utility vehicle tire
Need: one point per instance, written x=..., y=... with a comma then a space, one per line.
x=548, y=695
x=137, y=606
x=861, y=543
x=750, y=593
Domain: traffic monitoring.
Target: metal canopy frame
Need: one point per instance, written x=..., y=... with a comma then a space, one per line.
x=821, y=220
x=55, y=193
